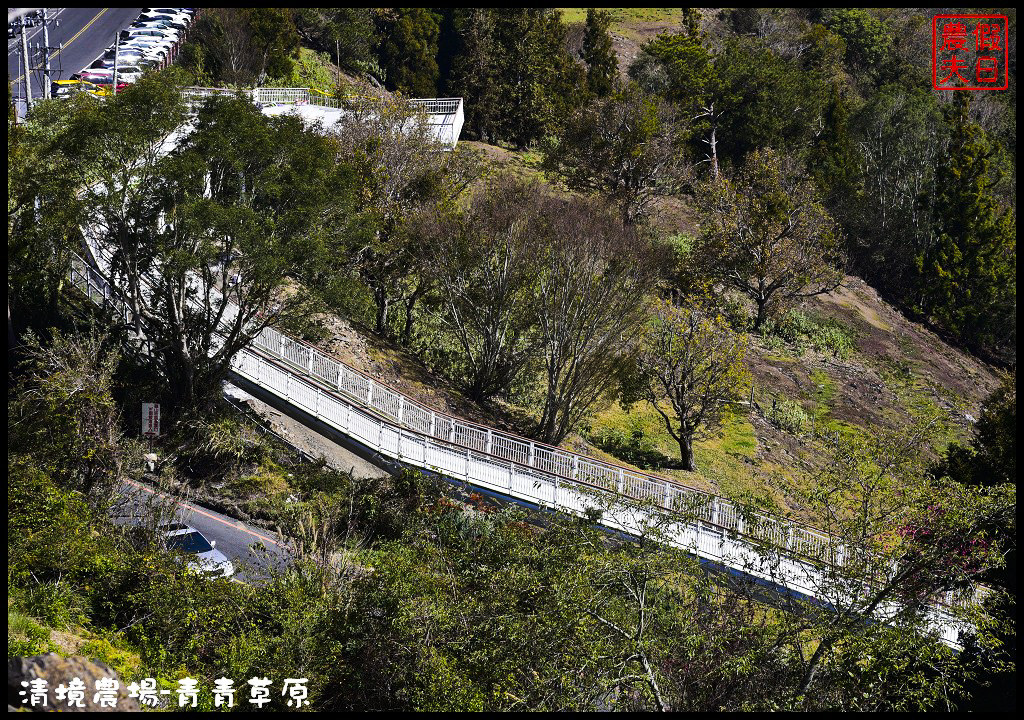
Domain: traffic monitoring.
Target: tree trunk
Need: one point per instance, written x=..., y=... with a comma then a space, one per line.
x=410, y=305
x=714, y=150
x=762, y=313
x=382, y=311
x=686, y=453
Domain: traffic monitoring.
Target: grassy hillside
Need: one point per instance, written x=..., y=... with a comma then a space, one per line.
x=846, y=362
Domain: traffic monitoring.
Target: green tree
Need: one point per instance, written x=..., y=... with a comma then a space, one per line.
x=348, y=35
x=243, y=198
x=394, y=154
x=484, y=264
x=679, y=67
x=598, y=53
x=901, y=139
x=65, y=418
x=516, y=73
x=764, y=100
x=244, y=46
x=904, y=542
x=690, y=358
x=43, y=209
x=766, y=234
x=475, y=68
x=594, y=273
x=869, y=44
x=628, y=148
x=408, y=50
x=968, y=270
x=833, y=159
x=988, y=464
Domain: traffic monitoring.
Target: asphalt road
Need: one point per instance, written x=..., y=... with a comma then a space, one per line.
x=84, y=32
x=233, y=537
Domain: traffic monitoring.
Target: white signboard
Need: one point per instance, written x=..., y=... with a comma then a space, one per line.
x=150, y=419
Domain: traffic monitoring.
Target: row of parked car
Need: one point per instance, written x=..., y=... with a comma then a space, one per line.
x=151, y=42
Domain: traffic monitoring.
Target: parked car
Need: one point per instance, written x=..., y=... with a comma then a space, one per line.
x=174, y=12
x=185, y=20
x=161, y=21
x=133, y=32
x=97, y=76
x=67, y=88
x=126, y=49
x=150, y=44
x=129, y=73
x=207, y=559
x=125, y=58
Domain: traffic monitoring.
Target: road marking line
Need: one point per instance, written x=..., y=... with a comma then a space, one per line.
x=73, y=38
x=201, y=511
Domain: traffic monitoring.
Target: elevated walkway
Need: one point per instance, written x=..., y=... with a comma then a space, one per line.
x=405, y=432
x=445, y=116
x=770, y=549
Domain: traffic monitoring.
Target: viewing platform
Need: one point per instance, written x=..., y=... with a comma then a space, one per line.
x=445, y=116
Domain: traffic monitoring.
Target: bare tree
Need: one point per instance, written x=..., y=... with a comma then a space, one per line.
x=691, y=358
x=484, y=265
x=767, y=235
x=402, y=170
x=245, y=45
x=591, y=291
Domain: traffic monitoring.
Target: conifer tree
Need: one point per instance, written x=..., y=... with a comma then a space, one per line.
x=967, y=273
x=408, y=50
x=602, y=65
x=474, y=69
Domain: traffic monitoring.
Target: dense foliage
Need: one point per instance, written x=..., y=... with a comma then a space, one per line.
x=400, y=595
x=676, y=210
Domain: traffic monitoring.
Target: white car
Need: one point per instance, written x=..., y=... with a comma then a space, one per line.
x=208, y=560
x=176, y=22
x=149, y=33
x=129, y=73
x=163, y=25
x=98, y=76
x=179, y=12
x=150, y=45
x=126, y=58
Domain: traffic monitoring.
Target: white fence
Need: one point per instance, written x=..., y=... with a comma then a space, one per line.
x=399, y=428
x=444, y=115
x=550, y=461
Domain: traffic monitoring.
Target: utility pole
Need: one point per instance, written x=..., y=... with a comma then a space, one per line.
x=28, y=71
x=117, y=52
x=46, y=55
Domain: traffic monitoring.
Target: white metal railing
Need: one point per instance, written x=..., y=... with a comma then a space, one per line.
x=439, y=106
x=709, y=527
x=634, y=484
x=309, y=373
x=444, y=115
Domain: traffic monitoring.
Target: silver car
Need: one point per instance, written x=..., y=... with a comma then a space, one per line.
x=208, y=560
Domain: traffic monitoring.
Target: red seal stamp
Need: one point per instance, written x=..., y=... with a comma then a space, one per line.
x=970, y=52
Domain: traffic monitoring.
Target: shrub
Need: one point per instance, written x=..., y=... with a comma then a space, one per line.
x=790, y=416
x=635, y=449
x=801, y=330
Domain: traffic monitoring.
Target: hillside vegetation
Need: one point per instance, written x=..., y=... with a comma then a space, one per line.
x=747, y=249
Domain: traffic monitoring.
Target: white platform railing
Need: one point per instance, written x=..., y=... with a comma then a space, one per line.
x=444, y=115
